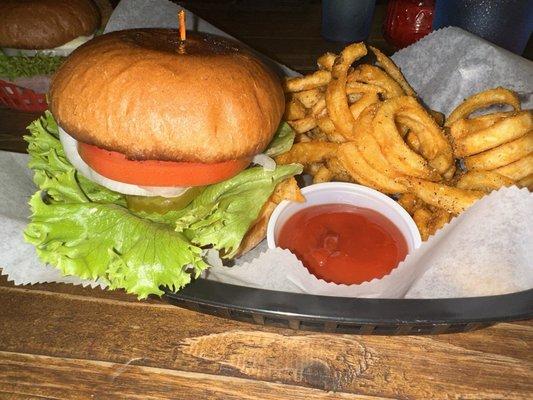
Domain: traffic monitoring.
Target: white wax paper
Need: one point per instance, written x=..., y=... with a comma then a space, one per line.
x=18, y=259
x=451, y=64
x=486, y=250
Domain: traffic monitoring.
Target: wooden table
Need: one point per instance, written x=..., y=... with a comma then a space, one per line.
x=61, y=341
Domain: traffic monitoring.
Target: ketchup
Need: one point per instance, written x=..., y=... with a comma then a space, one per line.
x=343, y=243
x=407, y=21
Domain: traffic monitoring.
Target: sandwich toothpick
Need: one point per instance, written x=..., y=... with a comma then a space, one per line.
x=183, y=30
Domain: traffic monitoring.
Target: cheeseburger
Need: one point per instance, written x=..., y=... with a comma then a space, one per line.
x=155, y=154
x=35, y=35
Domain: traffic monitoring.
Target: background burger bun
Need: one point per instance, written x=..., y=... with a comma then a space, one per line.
x=45, y=24
x=147, y=95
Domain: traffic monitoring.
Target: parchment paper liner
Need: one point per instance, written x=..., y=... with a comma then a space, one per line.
x=434, y=67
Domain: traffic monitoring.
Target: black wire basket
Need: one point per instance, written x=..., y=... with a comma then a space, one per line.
x=352, y=315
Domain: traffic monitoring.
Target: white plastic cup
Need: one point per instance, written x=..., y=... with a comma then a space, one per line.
x=345, y=193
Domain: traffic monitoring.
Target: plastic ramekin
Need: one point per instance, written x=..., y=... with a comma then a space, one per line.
x=345, y=193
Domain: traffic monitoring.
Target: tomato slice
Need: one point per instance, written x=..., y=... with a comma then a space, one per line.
x=116, y=166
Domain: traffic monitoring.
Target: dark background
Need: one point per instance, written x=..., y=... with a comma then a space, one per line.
x=282, y=28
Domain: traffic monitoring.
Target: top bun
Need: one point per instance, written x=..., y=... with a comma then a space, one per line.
x=147, y=95
x=45, y=24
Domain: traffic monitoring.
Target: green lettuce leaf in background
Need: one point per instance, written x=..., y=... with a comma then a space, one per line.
x=86, y=230
x=21, y=66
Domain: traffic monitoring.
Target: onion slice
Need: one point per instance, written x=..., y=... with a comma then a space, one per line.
x=70, y=145
x=62, y=51
x=265, y=161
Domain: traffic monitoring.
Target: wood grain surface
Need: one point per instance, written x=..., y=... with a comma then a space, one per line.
x=61, y=341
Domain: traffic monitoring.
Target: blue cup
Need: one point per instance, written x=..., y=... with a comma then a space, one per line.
x=347, y=20
x=507, y=23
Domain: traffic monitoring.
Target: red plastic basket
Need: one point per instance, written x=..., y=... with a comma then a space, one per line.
x=20, y=98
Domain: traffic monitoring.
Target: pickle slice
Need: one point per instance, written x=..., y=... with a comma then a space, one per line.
x=162, y=205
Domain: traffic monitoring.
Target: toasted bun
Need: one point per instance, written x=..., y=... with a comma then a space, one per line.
x=45, y=24
x=137, y=93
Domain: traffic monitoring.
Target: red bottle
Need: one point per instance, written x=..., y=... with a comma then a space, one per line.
x=407, y=21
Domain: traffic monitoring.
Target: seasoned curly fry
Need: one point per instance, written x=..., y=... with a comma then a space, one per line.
x=302, y=137
x=370, y=74
x=312, y=168
x=501, y=155
x=308, y=97
x=483, y=100
x=312, y=81
x=518, y=169
x=439, y=218
x=452, y=199
x=353, y=162
x=466, y=126
x=316, y=135
x=308, y=153
x=326, y=126
x=303, y=125
x=294, y=110
x=325, y=61
x=502, y=131
x=410, y=202
x=526, y=181
x=352, y=159
x=430, y=142
x=363, y=123
x=319, y=106
x=359, y=87
x=371, y=152
x=438, y=117
x=287, y=190
x=336, y=101
x=412, y=141
x=422, y=218
x=257, y=232
x=429, y=222
x=486, y=181
x=357, y=108
x=323, y=174
x=428, y=219
x=339, y=173
x=392, y=69
x=397, y=153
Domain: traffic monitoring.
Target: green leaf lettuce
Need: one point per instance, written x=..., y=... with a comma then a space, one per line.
x=222, y=214
x=86, y=230
x=282, y=141
x=21, y=66
x=94, y=240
